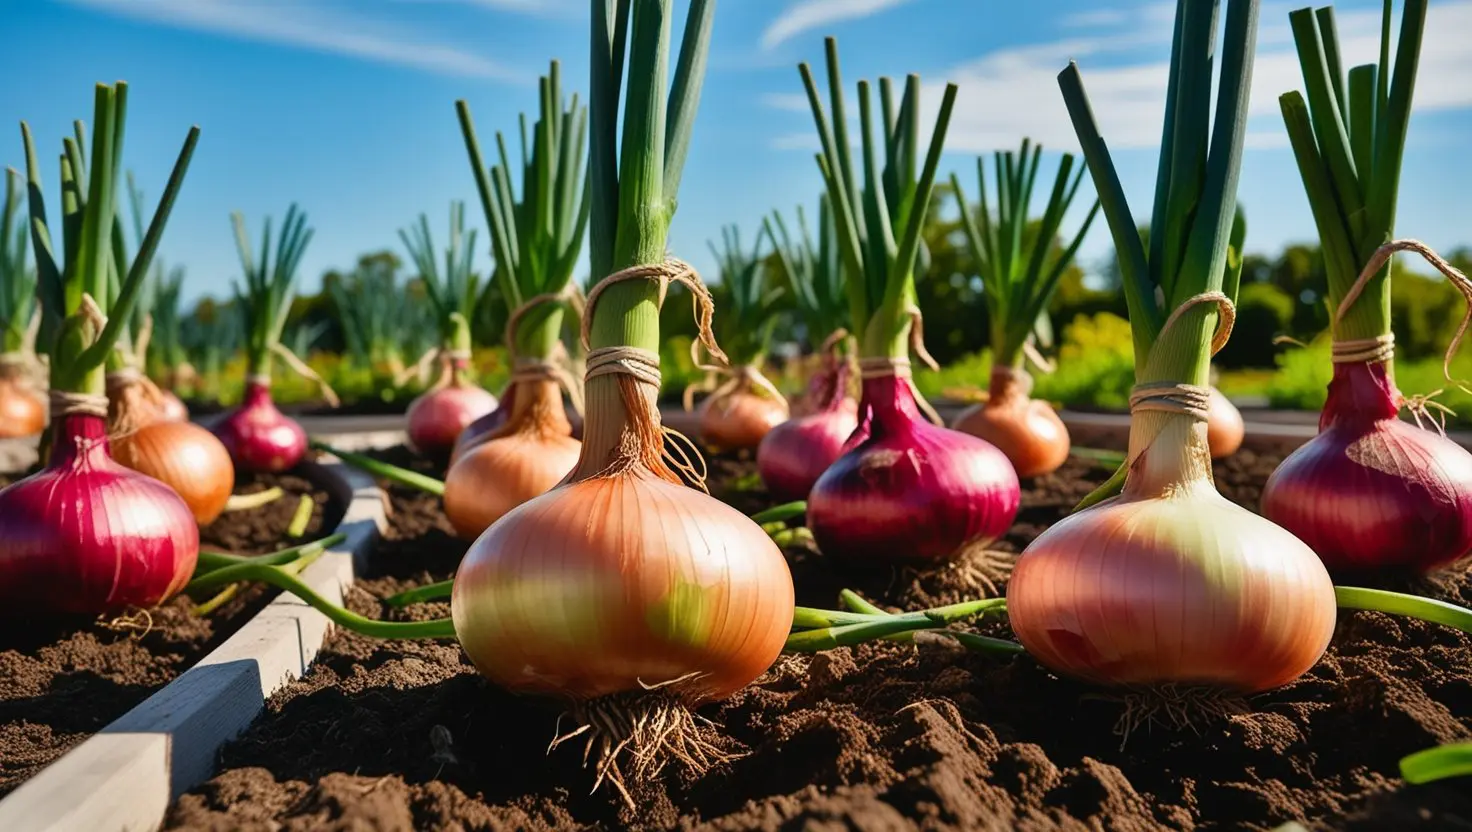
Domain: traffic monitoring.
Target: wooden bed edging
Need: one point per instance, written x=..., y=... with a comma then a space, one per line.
x=124, y=778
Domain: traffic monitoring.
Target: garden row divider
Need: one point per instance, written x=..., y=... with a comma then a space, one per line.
x=124, y=778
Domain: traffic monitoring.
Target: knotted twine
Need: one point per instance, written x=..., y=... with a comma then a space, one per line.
x=642, y=366
x=1186, y=399
x=1382, y=348
x=738, y=378
x=558, y=367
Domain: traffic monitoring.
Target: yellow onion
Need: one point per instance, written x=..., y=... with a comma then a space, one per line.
x=601, y=584
x=182, y=455
x=171, y=407
x=1028, y=431
x=1172, y=583
x=22, y=413
x=1224, y=428
x=525, y=458
x=738, y=416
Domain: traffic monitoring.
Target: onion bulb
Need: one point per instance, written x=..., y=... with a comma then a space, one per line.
x=436, y=418
x=739, y=415
x=259, y=438
x=907, y=490
x=1371, y=491
x=480, y=430
x=794, y=454
x=526, y=457
x=180, y=454
x=171, y=407
x=1028, y=431
x=22, y=412
x=1224, y=428
x=87, y=536
x=1172, y=583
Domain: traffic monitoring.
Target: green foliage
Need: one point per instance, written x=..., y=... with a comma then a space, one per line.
x=373, y=313
x=17, y=279
x=813, y=271
x=746, y=301
x=267, y=297
x=453, y=290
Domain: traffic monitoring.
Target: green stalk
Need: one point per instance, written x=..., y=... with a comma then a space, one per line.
x=1349, y=149
x=17, y=279
x=894, y=201
x=814, y=270
x=378, y=468
x=302, y=517
x=453, y=291
x=1437, y=763
x=780, y=514
x=210, y=560
x=421, y=594
x=747, y=301
x=266, y=299
x=832, y=629
x=91, y=259
x=1398, y=603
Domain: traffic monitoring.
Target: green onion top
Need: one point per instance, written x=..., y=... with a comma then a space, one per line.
x=746, y=300
x=1192, y=225
x=96, y=276
x=266, y=299
x=1349, y=143
x=167, y=354
x=814, y=270
x=453, y=292
x=376, y=317
x=17, y=278
x=536, y=239
x=894, y=200
x=635, y=178
x=1018, y=259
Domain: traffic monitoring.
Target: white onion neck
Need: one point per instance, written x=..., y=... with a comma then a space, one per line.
x=1168, y=454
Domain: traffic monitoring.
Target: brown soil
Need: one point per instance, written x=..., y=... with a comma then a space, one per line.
x=62, y=680
x=393, y=736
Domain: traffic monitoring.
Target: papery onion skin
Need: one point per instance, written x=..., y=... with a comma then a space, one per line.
x=739, y=420
x=793, y=455
x=185, y=457
x=1188, y=588
x=1224, y=428
x=905, y=490
x=1372, y=492
x=436, y=418
x=22, y=413
x=259, y=437
x=607, y=584
x=534, y=454
x=88, y=536
x=171, y=407
x=480, y=430
x=1026, y=430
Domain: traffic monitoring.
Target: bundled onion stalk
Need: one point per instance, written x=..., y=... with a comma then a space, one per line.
x=537, y=241
x=436, y=418
x=1370, y=492
x=1020, y=268
x=145, y=433
x=1169, y=582
x=904, y=489
x=86, y=535
x=795, y=453
x=741, y=409
x=22, y=407
x=259, y=437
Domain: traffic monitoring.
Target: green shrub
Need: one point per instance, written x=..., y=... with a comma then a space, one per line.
x=1263, y=312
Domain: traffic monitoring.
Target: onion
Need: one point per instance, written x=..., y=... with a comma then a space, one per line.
x=1026, y=430
x=85, y=535
x=171, y=407
x=587, y=590
x=1151, y=587
x=1224, y=428
x=1371, y=491
x=739, y=415
x=182, y=455
x=524, y=459
x=259, y=438
x=481, y=429
x=22, y=413
x=795, y=453
x=436, y=418
x=907, y=490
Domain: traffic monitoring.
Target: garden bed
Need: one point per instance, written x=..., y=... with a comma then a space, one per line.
x=407, y=735
x=63, y=679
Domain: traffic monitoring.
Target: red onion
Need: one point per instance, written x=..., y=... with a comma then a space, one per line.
x=259, y=437
x=794, y=454
x=1371, y=491
x=437, y=418
x=85, y=535
x=905, y=489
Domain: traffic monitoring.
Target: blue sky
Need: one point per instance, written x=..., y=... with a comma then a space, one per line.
x=346, y=106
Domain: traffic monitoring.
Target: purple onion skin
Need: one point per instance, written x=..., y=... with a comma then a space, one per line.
x=905, y=490
x=260, y=438
x=1372, y=492
x=794, y=454
x=86, y=536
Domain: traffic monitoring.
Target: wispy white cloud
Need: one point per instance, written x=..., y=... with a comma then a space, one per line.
x=806, y=15
x=313, y=25
x=1094, y=17
x=1011, y=93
